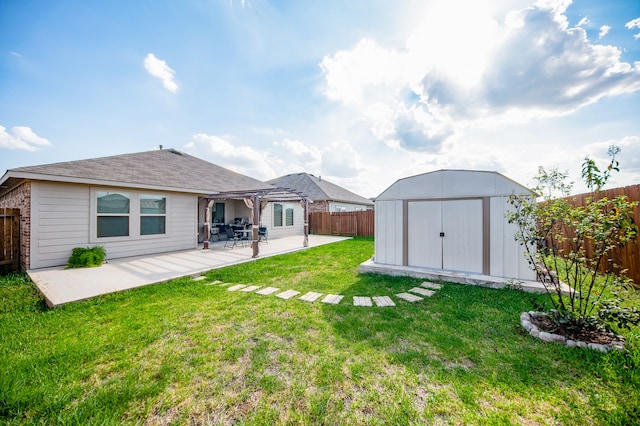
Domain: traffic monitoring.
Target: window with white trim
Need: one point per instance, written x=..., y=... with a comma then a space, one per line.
x=113, y=214
x=153, y=214
x=282, y=214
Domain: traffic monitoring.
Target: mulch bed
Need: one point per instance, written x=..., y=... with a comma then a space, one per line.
x=583, y=334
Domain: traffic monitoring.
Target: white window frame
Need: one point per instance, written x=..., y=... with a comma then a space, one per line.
x=283, y=215
x=134, y=216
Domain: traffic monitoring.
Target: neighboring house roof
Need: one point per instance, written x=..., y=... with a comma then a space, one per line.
x=318, y=189
x=165, y=169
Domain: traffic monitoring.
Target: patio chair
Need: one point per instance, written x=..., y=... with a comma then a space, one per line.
x=231, y=237
x=263, y=234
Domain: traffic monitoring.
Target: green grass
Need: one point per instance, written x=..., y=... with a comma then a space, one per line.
x=188, y=352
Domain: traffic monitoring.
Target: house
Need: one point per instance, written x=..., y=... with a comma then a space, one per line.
x=137, y=204
x=325, y=196
x=450, y=220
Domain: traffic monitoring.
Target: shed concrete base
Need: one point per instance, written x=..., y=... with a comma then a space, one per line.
x=455, y=277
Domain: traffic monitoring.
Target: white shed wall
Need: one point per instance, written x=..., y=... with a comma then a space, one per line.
x=507, y=255
x=389, y=232
x=61, y=219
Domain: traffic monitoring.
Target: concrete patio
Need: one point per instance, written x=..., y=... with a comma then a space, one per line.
x=60, y=286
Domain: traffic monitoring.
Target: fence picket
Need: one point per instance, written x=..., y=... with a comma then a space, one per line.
x=360, y=223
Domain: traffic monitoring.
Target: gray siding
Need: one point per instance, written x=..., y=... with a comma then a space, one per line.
x=63, y=218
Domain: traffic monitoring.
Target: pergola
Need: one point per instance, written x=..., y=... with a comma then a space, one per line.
x=257, y=200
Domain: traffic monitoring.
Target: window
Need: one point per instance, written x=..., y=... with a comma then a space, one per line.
x=218, y=213
x=153, y=212
x=282, y=214
x=113, y=214
x=277, y=214
x=288, y=214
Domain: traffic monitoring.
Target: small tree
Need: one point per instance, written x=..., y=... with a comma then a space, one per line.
x=572, y=246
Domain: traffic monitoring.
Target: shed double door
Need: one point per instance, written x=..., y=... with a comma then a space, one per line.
x=446, y=234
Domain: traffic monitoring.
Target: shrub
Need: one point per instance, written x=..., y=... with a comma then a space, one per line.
x=86, y=257
x=592, y=232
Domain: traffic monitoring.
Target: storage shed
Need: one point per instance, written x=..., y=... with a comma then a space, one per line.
x=452, y=220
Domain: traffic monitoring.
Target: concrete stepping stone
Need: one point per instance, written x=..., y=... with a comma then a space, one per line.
x=287, y=294
x=383, y=301
x=409, y=297
x=267, y=290
x=332, y=299
x=200, y=278
x=432, y=286
x=422, y=291
x=250, y=288
x=362, y=301
x=236, y=287
x=311, y=296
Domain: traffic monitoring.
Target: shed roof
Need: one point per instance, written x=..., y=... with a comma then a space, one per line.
x=318, y=189
x=444, y=184
x=165, y=169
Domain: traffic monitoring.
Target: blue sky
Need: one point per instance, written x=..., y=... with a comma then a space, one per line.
x=361, y=93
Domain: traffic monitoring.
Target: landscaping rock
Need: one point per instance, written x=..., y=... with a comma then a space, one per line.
x=287, y=294
x=409, y=297
x=422, y=291
x=362, y=301
x=267, y=290
x=236, y=287
x=332, y=299
x=383, y=301
x=311, y=296
x=432, y=286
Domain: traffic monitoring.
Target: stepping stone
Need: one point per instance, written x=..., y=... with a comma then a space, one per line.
x=409, y=297
x=333, y=299
x=362, y=301
x=288, y=294
x=236, y=287
x=311, y=296
x=422, y=291
x=267, y=290
x=250, y=288
x=432, y=286
x=200, y=278
x=383, y=301
x=216, y=282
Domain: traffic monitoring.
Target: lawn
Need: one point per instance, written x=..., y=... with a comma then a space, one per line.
x=192, y=352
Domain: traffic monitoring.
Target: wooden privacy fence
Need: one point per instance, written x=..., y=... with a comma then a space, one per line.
x=9, y=240
x=629, y=256
x=357, y=224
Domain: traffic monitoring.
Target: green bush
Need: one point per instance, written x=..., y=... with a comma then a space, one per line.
x=86, y=257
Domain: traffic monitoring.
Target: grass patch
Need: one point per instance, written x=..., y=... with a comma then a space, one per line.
x=188, y=352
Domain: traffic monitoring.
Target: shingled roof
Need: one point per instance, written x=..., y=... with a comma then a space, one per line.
x=318, y=189
x=165, y=169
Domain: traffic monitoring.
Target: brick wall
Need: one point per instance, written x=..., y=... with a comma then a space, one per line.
x=20, y=198
x=319, y=206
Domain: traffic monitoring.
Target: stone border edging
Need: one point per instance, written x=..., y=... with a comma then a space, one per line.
x=527, y=324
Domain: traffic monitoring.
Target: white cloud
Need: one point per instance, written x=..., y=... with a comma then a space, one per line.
x=604, y=30
x=242, y=159
x=340, y=159
x=629, y=159
x=634, y=24
x=22, y=138
x=583, y=22
x=448, y=78
x=159, y=68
